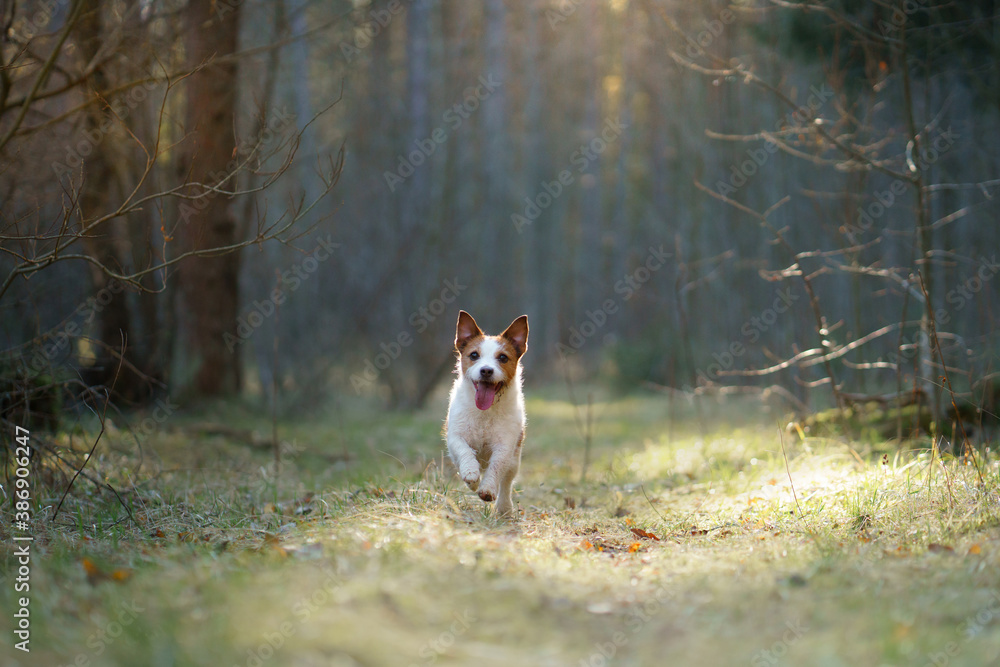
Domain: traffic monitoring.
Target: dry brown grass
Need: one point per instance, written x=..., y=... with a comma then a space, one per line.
x=672, y=551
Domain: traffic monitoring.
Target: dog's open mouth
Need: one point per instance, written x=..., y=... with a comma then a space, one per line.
x=486, y=393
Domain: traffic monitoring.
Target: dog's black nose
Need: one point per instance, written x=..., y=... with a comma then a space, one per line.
x=486, y=373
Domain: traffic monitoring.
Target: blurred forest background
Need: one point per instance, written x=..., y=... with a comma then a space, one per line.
x=296, y=197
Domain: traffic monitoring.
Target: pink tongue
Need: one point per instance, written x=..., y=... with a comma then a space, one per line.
x=484, y=395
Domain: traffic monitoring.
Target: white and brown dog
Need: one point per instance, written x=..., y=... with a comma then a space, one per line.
x=485, y=425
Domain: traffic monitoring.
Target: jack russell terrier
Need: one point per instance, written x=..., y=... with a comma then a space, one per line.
x=485, y=425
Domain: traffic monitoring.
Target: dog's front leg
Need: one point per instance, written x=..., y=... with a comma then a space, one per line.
x=505, y=504
x=464, y=458
x=499, y=477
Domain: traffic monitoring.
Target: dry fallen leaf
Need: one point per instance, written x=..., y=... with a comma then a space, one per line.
x=93, y=572
x=939, y=548
x=635, y=546
x=639, y=532
x=274, y=542
x=95, y=575
x=975, y=550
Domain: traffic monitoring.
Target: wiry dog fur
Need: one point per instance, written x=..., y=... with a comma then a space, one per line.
x=485, y=425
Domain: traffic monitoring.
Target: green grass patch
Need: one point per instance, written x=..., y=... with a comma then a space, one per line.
x=362, y=548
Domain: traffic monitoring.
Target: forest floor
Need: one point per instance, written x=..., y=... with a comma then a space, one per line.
x=364, y=549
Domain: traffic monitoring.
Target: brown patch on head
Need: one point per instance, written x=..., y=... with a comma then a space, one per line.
x=466, y=332
x=506, y=356
x=517, y=335
x=464, y=352
x=502, y=353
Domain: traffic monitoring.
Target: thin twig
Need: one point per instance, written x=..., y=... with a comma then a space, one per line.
x=587, y=436
x=90, y=455
x=655, y=511
x=822, y=330
x=968, y=449
x=132, y=518
x=781, y=439
x=274, y=390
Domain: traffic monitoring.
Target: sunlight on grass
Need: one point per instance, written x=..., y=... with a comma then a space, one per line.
x=363, y=548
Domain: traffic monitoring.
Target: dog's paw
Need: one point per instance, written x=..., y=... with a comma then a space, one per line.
x=471, y=478
x=506, y=509
x=488, y=494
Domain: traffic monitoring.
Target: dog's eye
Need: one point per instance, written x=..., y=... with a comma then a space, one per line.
x=502, y=358
x=474, y=356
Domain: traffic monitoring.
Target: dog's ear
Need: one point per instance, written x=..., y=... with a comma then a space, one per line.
x=466, y=330
x=517, y=334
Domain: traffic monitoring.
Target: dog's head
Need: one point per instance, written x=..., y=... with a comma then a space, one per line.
x=490, y=362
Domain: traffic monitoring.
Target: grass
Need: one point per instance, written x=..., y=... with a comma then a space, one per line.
x=363, y=549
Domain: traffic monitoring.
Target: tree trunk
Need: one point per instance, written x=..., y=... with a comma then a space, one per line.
x=101, y=242
x=414, y=197
x=498, y=255
x=209, y=287
x=589, y=259
x=544, y=234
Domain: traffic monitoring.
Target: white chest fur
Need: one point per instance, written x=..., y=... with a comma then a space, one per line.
x=502, y=423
